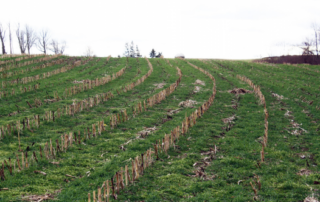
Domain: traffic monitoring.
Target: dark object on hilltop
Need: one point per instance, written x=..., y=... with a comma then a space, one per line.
x=159, y=55
x=180, y=55
x=153, y=53
x=292, y=59
x=239, y=91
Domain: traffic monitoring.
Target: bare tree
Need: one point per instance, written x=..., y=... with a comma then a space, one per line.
x=43, y=41
x=2, y=38
x=21, y=39
x=138, y=52
x=127, y=51
x=132, y=52
x=10, y=38
x=31, y=38
x=316, y=29
x=56, y=47
x=63, y=47
x=306, y=48
x=88, y=52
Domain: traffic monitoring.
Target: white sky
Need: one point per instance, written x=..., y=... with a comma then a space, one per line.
x=231, y=29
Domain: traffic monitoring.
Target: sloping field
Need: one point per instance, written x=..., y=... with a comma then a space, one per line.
x=138, y=129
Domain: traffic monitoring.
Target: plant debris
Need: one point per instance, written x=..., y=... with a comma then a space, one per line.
x=310, y=199
x=239, y=91
x=175, y=111
x=196, y=89
x=187, y=103
x=279, y=97
x=159, y=85
x=40, y=172
x=39, y=198
x=82, y=81
x=229, y=119
x=200, y=166
x=199, y=82
x=144, y=133
x=305, y=172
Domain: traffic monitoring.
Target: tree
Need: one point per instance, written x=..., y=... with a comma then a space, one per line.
x=306, y=48
x=63, y=47
x=56, y=47
x=126, y=51
x=31, y=38
x=138, y=52
x=43, y=41
x=88, y=52
x=132, y=52
x=316, y=29
x=21, y=39
x=2, y=38
x=10, y=38
x=153, y=53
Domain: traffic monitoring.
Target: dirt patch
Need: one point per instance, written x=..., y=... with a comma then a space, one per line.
x=201, y=165
x=210, y=152
x=304, y=172
x=288, y=114
x=167, y=119
x=144, y=133
x=187, y=103
x=296, y=129
x=159, y=85
x=196, y=89
x=239, y=91
x=279, y=97
x=305, y=111
x=229, y=119
x=50, y=100
x=199, y=82
x=310, y=199
x=294, y=125
x=174, y=111
x=40, y=197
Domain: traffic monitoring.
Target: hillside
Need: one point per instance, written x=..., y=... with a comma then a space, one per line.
x=138, y=129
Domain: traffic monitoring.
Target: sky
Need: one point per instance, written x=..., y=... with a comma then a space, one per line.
x=228, y=29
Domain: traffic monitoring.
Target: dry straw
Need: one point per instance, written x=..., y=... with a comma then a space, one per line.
x=10, y=64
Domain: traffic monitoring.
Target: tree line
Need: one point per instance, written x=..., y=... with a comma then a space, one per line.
x=27, y=38
x=134, y=52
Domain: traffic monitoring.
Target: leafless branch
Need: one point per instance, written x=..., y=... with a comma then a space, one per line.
x=316, y=29
x=307, y=44
x=31, y=38
x=88, y=52
x=56, y=47
x=21, y=39
x=63, y=47
x=43, y=41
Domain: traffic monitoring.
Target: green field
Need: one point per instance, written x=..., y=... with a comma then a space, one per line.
x=217, y=159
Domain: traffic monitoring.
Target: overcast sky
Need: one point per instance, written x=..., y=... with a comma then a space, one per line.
x=230, y=29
